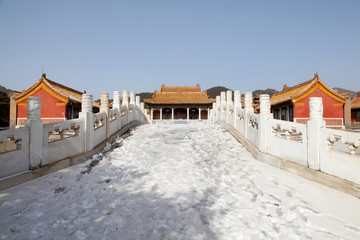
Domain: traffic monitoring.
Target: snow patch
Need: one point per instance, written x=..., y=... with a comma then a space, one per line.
x=176, y=182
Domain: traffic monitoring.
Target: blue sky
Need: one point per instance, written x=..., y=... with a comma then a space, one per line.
x=102, y=46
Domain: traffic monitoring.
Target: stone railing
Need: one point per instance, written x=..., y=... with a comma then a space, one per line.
x=99, y=127
x=62, y=140
x=293, y=135
x=312, y=145
x=340, y=153
x=14, y=151
x=37, y=144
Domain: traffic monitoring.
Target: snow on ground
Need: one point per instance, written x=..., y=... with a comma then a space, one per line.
x=176, y=182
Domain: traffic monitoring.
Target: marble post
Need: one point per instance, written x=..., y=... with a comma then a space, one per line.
x=125, y=106
x=218, y=109
x=35, y=126
x=229, y=102
x=104, y=107
x=117, y=105
x=265, y=115
x=313, y=132
x=237, y=106
x=223, y=106
x=247, y=110
x=87, y=114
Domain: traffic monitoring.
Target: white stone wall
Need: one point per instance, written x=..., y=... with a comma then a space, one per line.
x=340, y=153
x=99, y=128
x=287, y=140
x=17, y=159
x=62, y=140
x=312, y=145
x=124, y=115
x=113, y=121
x=252, y=128
x=240, y=120
x=37, y=145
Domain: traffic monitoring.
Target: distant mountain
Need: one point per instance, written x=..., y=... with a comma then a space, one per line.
x=4, y=89
x=144, y=95
x=269, y=91
x=4, y=106
x=215, y=91
x=353, y=93
x=4, y=109
x=212, y=92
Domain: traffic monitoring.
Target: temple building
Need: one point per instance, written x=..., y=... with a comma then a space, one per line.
x=58, y=102
x=292, y=104
x=172, y=103
x=355, y=111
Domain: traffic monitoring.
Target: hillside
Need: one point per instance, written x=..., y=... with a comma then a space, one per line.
x=215, y=91
x=269, y=91
x=353, y=93
x=4, y=109
x=4, y=89
x=212, y=92
x=144, y=95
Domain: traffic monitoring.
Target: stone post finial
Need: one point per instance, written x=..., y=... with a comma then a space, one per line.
x=132, y=97
x=126, y=97
x=104, y=100
x=137, y=101
x=264, y=103
x=248, y=100
x=237, y=99
x=34, y=108
x=117, y=101
x=87, y=103
x=229, y=97
x=316, y=108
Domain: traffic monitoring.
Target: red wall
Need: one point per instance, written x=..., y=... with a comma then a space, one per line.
x=330, y=110
x=49, y=109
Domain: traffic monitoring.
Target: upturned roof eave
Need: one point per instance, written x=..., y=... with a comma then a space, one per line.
x=45, y=83
x=298, y=96
x=292, y=97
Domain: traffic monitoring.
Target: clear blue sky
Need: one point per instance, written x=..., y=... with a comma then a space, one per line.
x=138, y=45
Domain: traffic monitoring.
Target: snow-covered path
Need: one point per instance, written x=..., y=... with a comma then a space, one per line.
x=176, y=182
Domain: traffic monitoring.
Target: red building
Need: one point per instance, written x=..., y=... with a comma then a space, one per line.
x=355, y=111
x=292, y=104
x=58, y=102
